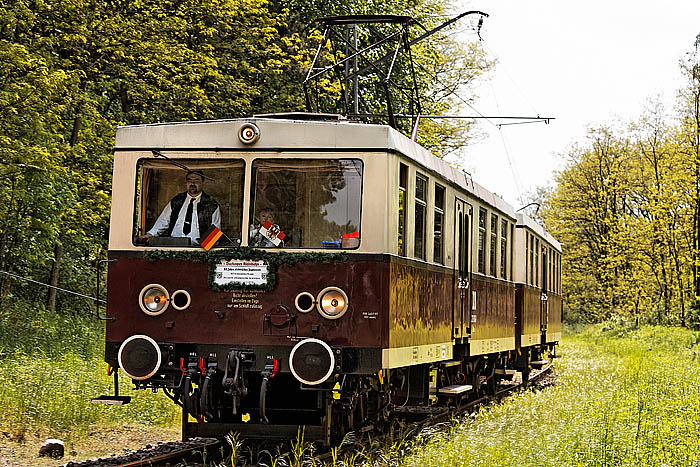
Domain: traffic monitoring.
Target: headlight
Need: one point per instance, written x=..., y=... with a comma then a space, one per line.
x=332, y=303
x=248, y=133
x=304, y=302
x=154, y=299
x=181, y=299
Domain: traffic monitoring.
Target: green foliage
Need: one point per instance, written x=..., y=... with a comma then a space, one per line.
x=41, y=393
x=627, y=210
x=26, y=327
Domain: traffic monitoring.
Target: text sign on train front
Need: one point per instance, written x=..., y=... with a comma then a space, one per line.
x=241, y=271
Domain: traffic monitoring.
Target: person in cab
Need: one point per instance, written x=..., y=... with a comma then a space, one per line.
x=188, y=214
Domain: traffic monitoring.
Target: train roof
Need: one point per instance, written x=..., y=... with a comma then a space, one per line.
x=298, y=132
x=526, y=221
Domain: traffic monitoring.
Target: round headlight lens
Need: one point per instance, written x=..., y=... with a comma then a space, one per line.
x=154, y=299
x=304, y=302
x=248, y=133
x=181, y=299
x=332, y=302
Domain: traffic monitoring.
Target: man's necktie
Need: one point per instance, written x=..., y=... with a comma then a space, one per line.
x=188, y=218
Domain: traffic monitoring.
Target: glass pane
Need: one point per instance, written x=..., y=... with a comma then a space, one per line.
x=421, y=192
x=403, y=177
x=421, y=188
x=504, y=247
x=492, y=244
x=164, y=191
x=402, y=221
x=419, y=250
x=437, y=237
x=481, y=258
x=439, y=197
x=309, y=203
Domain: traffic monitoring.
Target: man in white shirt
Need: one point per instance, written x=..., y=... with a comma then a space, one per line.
x=188, y=214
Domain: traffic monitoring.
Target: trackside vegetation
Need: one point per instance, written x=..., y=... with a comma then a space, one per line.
x=626, y=207
x=625, y=396
x=51, y=365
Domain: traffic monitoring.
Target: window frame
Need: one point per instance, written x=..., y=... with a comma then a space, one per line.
x=402, y=208
x=481, y=243
x=420, y=205
x=291, y=160
x=439, y=234
x=197, y=162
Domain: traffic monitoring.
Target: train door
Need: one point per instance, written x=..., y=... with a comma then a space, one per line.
x=462, y=270
x=544, y=308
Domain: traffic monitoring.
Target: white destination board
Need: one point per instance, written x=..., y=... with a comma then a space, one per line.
x=241, y=271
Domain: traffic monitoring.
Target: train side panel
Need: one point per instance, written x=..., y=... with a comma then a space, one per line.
x=554, y=317
x=420, y=314
x=528, y=303
x=493, y=317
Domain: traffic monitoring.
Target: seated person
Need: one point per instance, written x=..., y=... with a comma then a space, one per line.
x=188, y=214
x=259, y=239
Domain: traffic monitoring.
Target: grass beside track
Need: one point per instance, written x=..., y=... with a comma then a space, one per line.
x=624, y=397
x=51, y=365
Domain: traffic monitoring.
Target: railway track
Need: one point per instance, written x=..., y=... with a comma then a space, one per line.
x=193, y=452
x=209, y=451
x=535, y=377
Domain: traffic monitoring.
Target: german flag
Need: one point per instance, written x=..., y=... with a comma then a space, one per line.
x=211, y=236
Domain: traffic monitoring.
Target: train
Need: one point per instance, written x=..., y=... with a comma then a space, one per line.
x=336, y=273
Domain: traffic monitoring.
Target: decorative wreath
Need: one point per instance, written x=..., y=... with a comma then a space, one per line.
x=273, y=261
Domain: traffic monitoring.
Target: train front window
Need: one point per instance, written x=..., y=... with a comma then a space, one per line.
x=311, y=203
x=180, y=205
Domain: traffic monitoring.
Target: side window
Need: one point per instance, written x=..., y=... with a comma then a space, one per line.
x=532, y=260
x=493, y=245
x=537, y=262
x=420, y=212
x=481, y=266
x=559, y=273
x=549, y=268
x=403, y=183
x=512, y=248
x=438, y=224
x=527, y=257
x=504, y=247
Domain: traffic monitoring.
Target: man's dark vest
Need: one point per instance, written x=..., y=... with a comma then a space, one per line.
x=205, y=210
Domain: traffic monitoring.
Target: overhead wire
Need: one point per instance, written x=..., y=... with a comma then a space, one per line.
x=511, y=162
x=505, y=70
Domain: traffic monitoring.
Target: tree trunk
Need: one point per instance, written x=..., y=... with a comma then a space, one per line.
x=55, y=270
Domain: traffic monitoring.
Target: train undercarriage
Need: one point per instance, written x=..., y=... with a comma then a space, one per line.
x=258, y=398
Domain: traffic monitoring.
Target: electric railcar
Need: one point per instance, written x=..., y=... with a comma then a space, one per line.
x=388, y=280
